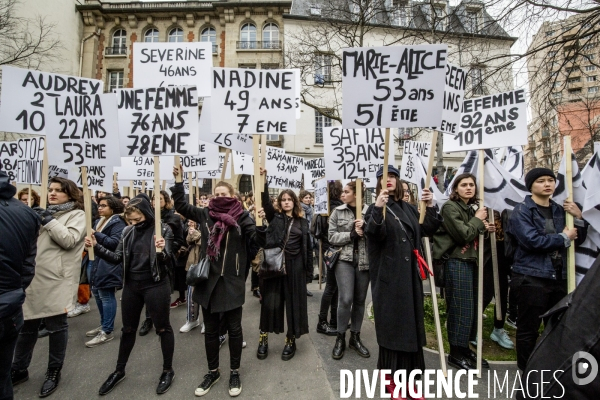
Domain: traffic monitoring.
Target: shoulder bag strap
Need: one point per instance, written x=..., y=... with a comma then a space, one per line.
x=288, y=234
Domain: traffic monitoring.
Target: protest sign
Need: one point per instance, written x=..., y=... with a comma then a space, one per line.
x=321, y=197
x=454, y=94
x=26, y=92
x=142, y=168
x=158, y=121
x=253, y=101
x=207, y=158
x=354, y=153
x=313, y=169
x=393, y=86
x=216, y=173
x=58, y=171
x=172, y=64
x=284, y=170
x=234, y=141
x=413, y=154
x=81, y=130
x=491, y=121
x=8, y=159
x=98, y=177
x=243, y=163
x=30, y=155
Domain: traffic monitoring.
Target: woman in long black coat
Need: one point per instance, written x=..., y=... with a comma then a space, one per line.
x=396, y=286
x=286, y=293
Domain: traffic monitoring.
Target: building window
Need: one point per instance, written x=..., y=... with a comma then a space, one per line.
x=321, y=121
x=556, y=84
x=400, y=15
x=176, y=35
x=245, y=186
x=248, y=36
x=574, y=91
x=315, y=9
x=119, y=43
x=590, y=68
x=269, y=66
x=404, y=134
x=270, y=37
x=273, y=138
x=593, y=89
x=549, y=33
x=552, y=53
x=575, y=80
x=439, y=18
x=591, y=78
x=476, y=76
x=323, y=69
x=115, y=80
x=151, y=35
x=589, y=57
x=472, y=21
x=209, y=35
x=247, y=66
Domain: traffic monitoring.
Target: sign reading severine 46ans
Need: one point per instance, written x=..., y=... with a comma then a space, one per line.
x=394, y=86
x=173, y=64
x=253, y=101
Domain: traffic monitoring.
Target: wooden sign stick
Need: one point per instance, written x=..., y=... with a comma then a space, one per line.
x=422, y=204
x=494, y=248
x=257, y=178
x=131, y=190
x=157, y=216
x=143, y=189
x=569, y=221
x=190, y=189
x=386, y=160
x=29, y=198
x=480, y=184
x=87, y=205
x=225, y=162
x=179, y=177
x=359, y=202
x=44, y=188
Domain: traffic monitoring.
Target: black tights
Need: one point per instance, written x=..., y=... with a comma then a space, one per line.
x=157, y=297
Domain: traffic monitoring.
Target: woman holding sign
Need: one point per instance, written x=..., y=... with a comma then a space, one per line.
x=288, y=230
x=228, y=230
x=57, y=269
x=396, y=273
x=456, y=245
x=351, y=271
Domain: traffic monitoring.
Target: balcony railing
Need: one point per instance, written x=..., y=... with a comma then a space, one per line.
x=116, y=51
x=254, y=45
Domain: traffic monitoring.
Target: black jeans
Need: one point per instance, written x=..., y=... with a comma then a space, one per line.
x=58, y=328
x=179, y=284
x=212, y=322
x=157, y=297
x=9, y=332
x=329, y=299
x=536, y=297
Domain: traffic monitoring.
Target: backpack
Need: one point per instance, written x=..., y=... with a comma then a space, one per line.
x=510, y=242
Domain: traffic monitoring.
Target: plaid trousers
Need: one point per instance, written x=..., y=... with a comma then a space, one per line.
x=461, y=299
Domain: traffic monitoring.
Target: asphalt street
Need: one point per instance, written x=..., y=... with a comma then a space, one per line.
x=311, y=374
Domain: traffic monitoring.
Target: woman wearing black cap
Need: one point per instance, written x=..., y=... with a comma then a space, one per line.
x=146, y=262
x=395, y=273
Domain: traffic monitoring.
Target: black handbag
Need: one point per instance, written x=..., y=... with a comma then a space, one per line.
x=274, y=264
x=198, y=272
x=330, y=257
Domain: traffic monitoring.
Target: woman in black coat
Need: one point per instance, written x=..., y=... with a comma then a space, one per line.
x=286, y=293
x=106, y=277
x=396, y=286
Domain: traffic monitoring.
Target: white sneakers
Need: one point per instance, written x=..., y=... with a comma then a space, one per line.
x=78, y=310
x=202, y=331
x=190, y=325
x=94, y=332
x=100, y=338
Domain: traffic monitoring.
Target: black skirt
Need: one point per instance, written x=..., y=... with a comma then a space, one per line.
x=400, y=360
x=287, y=293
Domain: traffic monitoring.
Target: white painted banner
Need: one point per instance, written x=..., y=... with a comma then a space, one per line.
x=99, y=178
x=58, y=171
x=354, y=153
x=413, y=154
x=82, y=130
x=393, y=86
x=243, y=164
x=173, y=64
x=25, y=93
x=158, y=121
x=206, y=160
x=253, y=101
x=321, y=197
x=497, y=120
x=454, y=94
x=216, y=173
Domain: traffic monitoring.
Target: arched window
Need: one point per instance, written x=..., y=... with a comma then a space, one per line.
x=176, y=35
x=245, y=185
x=270, y=36
x=248, y=36
x=209, y=35
x=151, y=35
x=119, y=41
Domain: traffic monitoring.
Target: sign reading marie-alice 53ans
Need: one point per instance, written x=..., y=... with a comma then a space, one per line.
x=393, y=86
x=486, y=122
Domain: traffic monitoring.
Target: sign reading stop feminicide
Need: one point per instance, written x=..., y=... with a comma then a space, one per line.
x=393, y=86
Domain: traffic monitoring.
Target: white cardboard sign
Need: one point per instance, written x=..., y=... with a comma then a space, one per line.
x=82, y=130
x=216, y=173
x=313, y=169
x=30, y=156
x=99, y=177
x=393, y=86
x=413, y=155
x=243, y=164
x=206, y=160
x=8, y=159
x=454, y=94
x=284, y=170
x=496, y=120
x=59, y=171
x=234, y=141
x=142, y=168
x=321, y=197
x=25, y=92
x=158, y=121
x=354, y=153
x=173, y=64
x=253, y=101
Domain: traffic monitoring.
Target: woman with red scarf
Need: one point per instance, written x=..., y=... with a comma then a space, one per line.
x=229, y=229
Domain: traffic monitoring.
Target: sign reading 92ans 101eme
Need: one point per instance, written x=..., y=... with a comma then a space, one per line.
x=158, y=121
x=393, y=86
x=486, y=122
x=253, y=101
x=173, y=64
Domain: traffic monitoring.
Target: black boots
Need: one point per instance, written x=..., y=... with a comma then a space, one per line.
x=165, y=381
x=324, y=328
x=357, y=345
x=263, y=346
x=51, y=382
x=18, y=376
x=289, y=349
x=340, y=346
x=146, y=326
